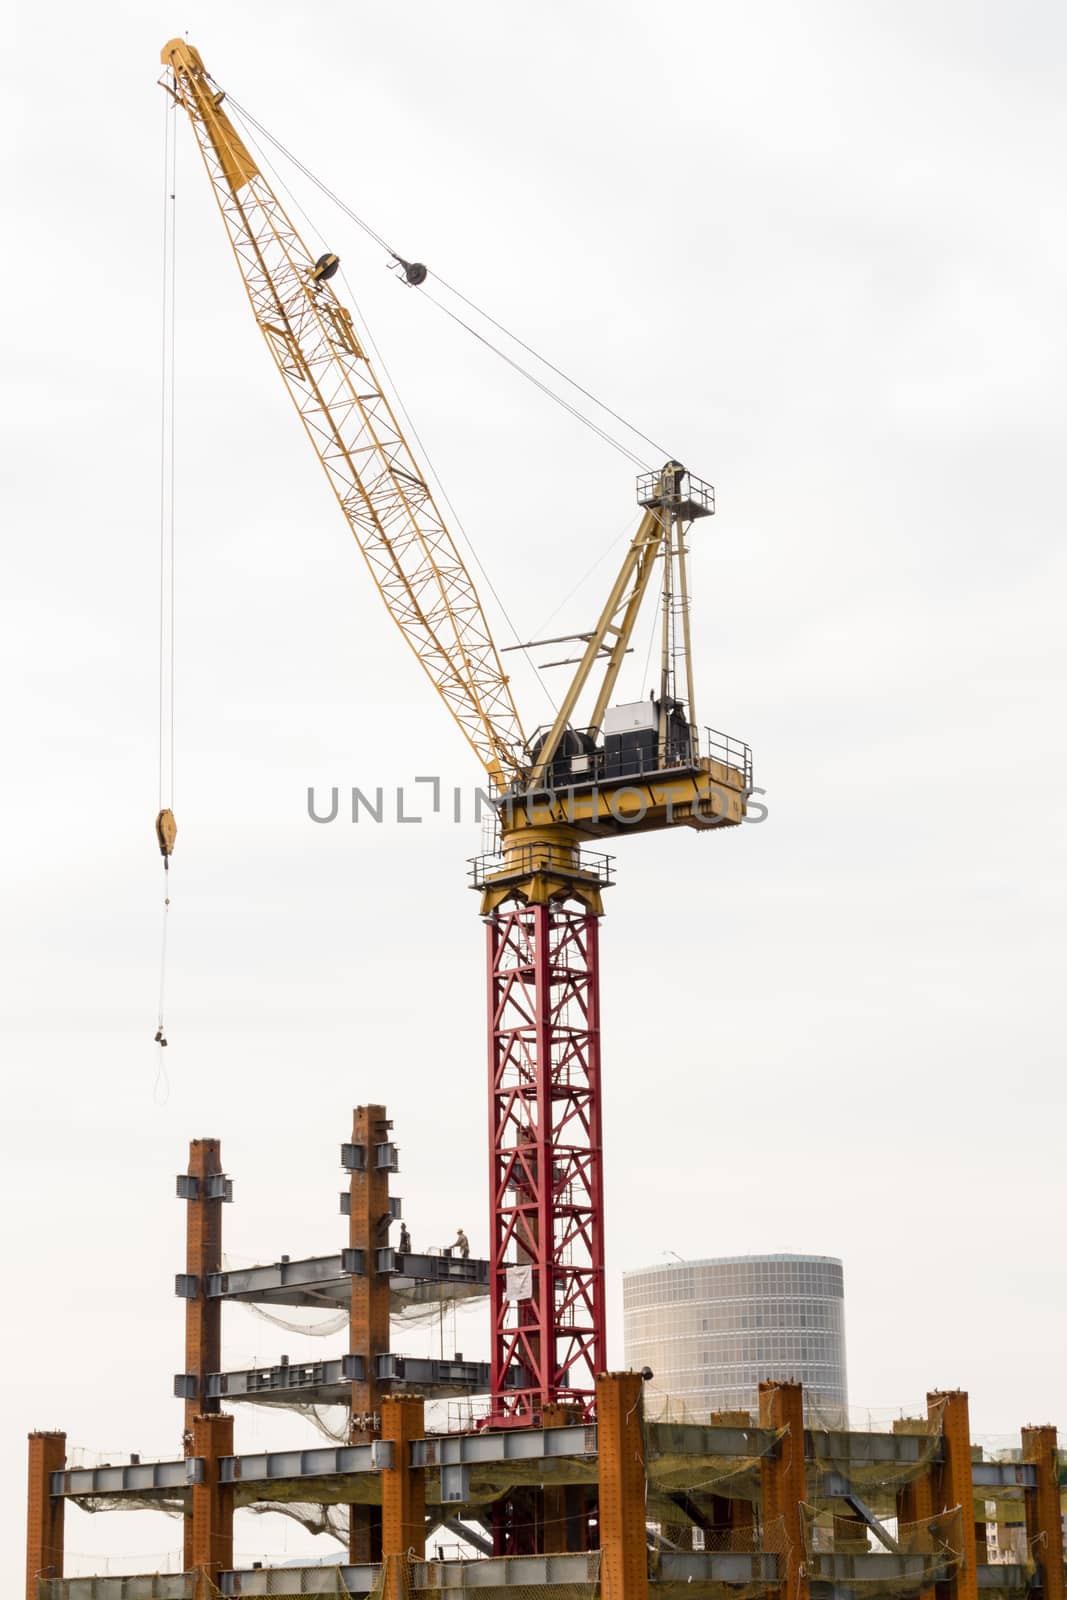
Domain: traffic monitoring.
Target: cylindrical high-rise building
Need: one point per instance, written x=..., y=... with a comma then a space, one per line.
x=712, y=1330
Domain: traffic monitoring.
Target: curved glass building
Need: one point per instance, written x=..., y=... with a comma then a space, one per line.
x=712, y=1330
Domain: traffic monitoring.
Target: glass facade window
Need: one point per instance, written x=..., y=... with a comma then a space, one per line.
x=713, y=1330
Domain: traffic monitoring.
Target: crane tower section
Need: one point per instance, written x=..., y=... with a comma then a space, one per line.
x=546, y=1249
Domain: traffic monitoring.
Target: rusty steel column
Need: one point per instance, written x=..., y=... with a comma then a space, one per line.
x=783, y=1483
x=620, y=1411
x=44, y=1511
x=953, y=1485
x=1044, y=1525
x=368, y=1231
x=212, y=1499
x=403, y=1492
x=204, y=1190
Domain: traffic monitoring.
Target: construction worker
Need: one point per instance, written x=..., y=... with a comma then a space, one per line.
x=462, y=1245
x=405, y=1240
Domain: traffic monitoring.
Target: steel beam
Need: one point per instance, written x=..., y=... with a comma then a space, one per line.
x=721, y=1566
x=506, y=1572
x=329, y=1382
x=876, y=1567
x=356, y=1578
x=1005, y=1576
x=471, y=1536
x=313, y=1382
x=327, y=1462
x=868, y=1449
x=867, y=1516
x=138, y=1479
x=319, y=1282
x=675, y=1567
x=311, y=1281
x=434, y=1379
x=693, y=1439
x=1003, y=1475
x=464, y=1449
x=526, y=1444
x=137, y=1586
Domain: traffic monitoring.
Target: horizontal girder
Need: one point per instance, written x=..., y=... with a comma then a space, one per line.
x=326, y=1281
x=711, y=1442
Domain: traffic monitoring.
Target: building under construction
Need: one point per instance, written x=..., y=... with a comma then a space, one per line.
x=626, y=1504
x=566, y=1487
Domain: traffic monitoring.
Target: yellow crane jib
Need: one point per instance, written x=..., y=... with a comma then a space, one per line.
x=380, y=487
x=194, y=89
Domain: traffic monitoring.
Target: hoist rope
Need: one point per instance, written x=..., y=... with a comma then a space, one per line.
x=161, y=1087
x=543, y=626
x=381, y=365
x=549, y=364
x=166, y=552
x=395, y=255
x=163, y=948
x=248, y=122
x=579, y=416
x=166, y=480
x=445, y=496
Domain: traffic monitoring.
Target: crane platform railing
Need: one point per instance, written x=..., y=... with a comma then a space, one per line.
x=697, y=501
x=524, y=860
x=597, y=765
x=730, y=751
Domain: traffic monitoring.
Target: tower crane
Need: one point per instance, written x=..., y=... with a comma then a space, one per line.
x=628, y=769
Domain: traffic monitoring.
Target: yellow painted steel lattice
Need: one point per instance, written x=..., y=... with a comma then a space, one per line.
x=411, y=555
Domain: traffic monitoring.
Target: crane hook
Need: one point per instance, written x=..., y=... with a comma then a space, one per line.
x=166, y=833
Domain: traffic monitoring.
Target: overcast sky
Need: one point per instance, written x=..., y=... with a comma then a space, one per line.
x=816, y=250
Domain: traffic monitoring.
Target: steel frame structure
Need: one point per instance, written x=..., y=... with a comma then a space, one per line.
x=546, y=1160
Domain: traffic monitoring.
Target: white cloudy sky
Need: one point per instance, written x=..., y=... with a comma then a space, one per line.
x=819, y=252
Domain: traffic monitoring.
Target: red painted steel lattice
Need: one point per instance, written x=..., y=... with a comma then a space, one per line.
x=546, y=1154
